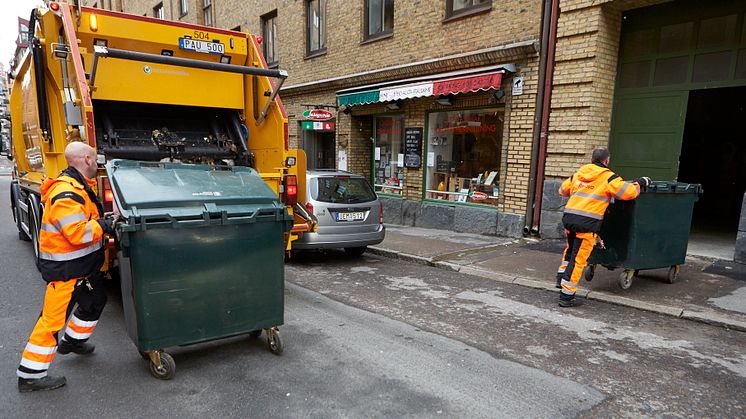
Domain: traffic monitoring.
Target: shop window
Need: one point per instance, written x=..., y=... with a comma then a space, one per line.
x=388, y=155
x=711, y=67
x=379, y=18
x=207, y=12
x=269, y=33
x=458, y=8
x=316, y=26
x=463, y=156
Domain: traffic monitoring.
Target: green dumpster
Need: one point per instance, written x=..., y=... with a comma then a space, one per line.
x=201, y=255
x=649, y=232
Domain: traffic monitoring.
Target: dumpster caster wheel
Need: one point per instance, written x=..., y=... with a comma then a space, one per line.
x=588, y=272
x=274, y=341
x=625, y=279
x=162, y=365
x=255, y=333
x=673, y=273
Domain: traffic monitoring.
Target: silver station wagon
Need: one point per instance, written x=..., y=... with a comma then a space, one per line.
x=349, y=214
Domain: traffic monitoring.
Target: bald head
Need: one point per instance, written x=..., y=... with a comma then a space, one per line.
x=82, y=157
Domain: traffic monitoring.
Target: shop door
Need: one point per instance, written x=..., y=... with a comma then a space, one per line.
x=320, y=149
x=646, y=134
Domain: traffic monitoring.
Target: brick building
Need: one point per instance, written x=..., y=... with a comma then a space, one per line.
x=421, y=96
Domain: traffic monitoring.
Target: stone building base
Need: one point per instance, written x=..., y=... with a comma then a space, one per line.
x=452, y=217
x=740, y=256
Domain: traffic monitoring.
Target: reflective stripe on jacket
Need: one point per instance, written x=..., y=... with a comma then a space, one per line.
x=70, y=237
x=591, y=190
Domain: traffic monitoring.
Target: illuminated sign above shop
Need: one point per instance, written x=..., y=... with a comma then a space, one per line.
x=317, y=115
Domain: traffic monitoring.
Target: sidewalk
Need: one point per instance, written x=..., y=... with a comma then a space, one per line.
x=708, y=291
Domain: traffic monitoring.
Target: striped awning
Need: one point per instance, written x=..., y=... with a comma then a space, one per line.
x=444, y=84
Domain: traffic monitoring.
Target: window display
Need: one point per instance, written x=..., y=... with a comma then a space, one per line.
x=388, y=155
x=463, y=155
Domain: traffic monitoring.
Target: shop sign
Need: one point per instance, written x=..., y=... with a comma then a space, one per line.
x=478, y=196
x=413, y=147
x=317, y=115
x=406, y=92
x=317, y=126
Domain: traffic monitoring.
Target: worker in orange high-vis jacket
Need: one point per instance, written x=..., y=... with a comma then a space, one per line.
x=590, y=190
x=71, y=255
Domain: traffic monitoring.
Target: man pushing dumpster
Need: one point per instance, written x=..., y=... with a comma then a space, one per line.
x=71, y=254
x=590, y=190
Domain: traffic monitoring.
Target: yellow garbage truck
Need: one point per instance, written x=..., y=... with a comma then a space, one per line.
x=140, y=88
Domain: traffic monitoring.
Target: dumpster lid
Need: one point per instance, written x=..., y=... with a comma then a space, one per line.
x=659, y=186
x=151, y=187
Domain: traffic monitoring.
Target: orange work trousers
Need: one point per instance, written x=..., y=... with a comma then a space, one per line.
x=577, y=250
x=59, y=299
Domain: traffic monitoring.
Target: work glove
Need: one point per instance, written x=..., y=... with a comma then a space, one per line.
x=107, y=224
x=644, y=182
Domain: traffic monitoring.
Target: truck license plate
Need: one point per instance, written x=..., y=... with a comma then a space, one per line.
x=350, y=216
x=201, y=46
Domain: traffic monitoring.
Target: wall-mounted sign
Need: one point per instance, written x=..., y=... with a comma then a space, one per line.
x=517, y=86
x=413, y=147
x=316, y=126
x=317, y=115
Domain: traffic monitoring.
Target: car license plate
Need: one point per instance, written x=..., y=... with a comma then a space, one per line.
x=350, y=216
x=201, y=46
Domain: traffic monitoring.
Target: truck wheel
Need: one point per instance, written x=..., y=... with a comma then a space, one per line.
x=34, y=230
x=14, y=195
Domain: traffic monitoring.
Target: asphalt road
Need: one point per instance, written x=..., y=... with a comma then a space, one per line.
x=644, y=364
x=341, y=360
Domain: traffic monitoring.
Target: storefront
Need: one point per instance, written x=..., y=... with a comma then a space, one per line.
x=437, y=154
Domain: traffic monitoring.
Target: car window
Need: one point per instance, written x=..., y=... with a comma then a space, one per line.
x=342, y=190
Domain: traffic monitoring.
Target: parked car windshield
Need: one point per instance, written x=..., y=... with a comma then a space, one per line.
x=342, y=190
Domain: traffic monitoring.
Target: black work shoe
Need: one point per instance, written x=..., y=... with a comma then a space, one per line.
x=559, y=283
x=572, y=302
x=80, y=348
x=26, y=385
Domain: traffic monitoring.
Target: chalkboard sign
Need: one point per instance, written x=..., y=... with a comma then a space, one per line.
x=413, y=147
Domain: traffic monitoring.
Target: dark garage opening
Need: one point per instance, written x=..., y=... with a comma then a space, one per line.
x=713, y=153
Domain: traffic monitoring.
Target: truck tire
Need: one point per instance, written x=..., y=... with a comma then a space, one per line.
x=34, y=226
x=15, y=194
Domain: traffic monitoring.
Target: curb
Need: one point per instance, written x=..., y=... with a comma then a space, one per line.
x=708, y=317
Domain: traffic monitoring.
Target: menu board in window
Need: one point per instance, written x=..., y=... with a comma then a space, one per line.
x=413, y=147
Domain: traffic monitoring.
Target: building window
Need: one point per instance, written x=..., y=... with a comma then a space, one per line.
x=207, y=12
x=158, y=11
x=183, y=7
x=269, y=33
x=388, y=155
x=379, y=18
x=459, y=8
x=463, y=156
x=316, y=26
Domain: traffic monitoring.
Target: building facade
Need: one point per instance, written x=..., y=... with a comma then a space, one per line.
x=438, y=102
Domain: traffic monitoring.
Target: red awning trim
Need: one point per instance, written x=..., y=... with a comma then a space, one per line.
x=478, y=83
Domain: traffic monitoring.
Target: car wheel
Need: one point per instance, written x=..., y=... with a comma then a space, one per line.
x=355, y=251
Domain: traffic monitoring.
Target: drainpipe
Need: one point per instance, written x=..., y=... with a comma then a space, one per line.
x=545, y=11
x=544, y=130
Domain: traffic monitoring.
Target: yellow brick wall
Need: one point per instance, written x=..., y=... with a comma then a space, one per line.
x=584, y=76
x=171, y=9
